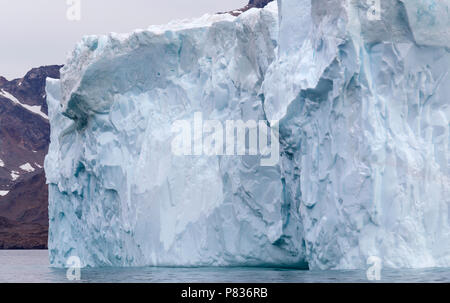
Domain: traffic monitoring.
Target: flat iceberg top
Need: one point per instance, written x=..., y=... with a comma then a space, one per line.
x=175, y=25
x=92, y=50
x=205, y=21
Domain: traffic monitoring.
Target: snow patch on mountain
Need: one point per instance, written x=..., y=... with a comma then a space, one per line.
x=34, y=109
x=27, y=167
x=15, y=175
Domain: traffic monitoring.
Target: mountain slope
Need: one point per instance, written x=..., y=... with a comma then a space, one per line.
x=251, y=4
x=24, y=140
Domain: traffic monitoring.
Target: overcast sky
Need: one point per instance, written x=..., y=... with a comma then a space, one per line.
x=38, y=32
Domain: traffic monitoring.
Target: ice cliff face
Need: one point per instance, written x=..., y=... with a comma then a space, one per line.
x=364, y=132
x=365, y=114
x=118, y=196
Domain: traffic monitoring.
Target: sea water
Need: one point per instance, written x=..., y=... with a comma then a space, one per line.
x=32, y=266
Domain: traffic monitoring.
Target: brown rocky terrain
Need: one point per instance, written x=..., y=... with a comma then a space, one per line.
x=24, y=140
x=251, y=4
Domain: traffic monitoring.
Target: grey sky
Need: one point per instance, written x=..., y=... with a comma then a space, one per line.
x=37, y=32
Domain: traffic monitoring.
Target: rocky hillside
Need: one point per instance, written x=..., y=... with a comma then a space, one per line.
x=251, y=4
x=24, y=140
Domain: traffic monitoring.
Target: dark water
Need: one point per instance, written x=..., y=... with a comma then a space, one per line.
x=32, y=266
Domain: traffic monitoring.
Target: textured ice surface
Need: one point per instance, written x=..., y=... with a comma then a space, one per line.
x=118, y=196
x=364, y=121
x=365, y=111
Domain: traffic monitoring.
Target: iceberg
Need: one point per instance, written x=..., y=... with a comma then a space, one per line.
x=118, y=196
x=364, y=133
x=364, y=120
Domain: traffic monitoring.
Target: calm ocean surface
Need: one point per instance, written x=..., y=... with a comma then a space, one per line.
x=33, y=267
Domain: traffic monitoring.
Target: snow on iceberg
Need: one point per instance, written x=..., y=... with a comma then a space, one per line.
x=364, y=133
